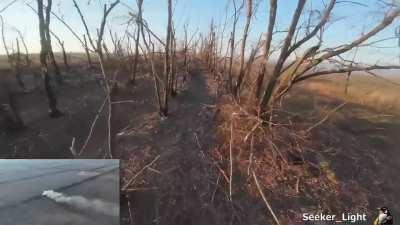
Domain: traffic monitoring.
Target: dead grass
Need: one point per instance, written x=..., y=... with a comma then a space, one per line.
x=281, y=154
x=377, y=94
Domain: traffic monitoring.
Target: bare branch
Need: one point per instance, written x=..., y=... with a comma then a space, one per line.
x=319, y=26
x=344, y=70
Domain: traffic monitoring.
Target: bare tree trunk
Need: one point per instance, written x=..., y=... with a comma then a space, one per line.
x=212, y=50
x=232, y=44
x=137, y=39
x=87, y=52
x=281, y=60
x=44, y=52
x=57, y=71
x=18, y=67
x=242, y=70
x=267, y=46
x=27, y=60
x=149, y=57
x=185, y=52
x=167, y=66
x=173, y=77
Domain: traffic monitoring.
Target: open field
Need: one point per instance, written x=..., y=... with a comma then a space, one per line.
x=379, y=93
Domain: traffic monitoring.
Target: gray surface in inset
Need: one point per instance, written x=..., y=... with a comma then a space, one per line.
x=22, y=183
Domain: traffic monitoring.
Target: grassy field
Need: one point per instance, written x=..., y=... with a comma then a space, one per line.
x=380, y=94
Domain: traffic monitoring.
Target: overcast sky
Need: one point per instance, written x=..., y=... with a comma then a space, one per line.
x=349, y=21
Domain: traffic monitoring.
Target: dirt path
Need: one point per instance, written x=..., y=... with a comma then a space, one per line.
x=182, y=180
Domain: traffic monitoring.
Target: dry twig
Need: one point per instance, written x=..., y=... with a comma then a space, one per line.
x=265, y=199
x=125, y=187
x=327, y=116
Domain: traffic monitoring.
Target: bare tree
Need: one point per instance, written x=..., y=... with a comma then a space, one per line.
x=283, y=78
x=14, y=59
x=62, y=46
x=97, y=46
x=232, y=41
x=44, y=23
x=173, y=78
x=267, y=46
x=167, y=65
x=242, y=70
x=27, y=60
x=18, y=65
x=6, y=89
x=137, y=39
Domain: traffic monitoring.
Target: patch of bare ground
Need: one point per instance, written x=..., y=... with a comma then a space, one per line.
x=43, y=137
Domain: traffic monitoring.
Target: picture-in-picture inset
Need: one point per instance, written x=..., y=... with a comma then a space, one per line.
x=48, y=192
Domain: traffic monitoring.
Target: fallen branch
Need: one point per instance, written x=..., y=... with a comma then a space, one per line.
x=327, y=116
x=138, y=173
x=141, y=189
x=123, y=102
x=93, y=125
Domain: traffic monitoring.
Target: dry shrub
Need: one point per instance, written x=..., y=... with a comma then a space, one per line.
x=282, y=155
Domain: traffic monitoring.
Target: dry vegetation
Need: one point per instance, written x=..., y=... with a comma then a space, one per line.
x=208, y=134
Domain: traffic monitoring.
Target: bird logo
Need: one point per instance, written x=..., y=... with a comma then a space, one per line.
x=384, y=217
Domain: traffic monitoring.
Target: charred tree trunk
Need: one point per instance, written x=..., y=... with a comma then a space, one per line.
x=18, y=67
x=15, y=111
x=167, y=65
x=57, y=71
x=173, y=77
x=137, y=39
x=44, y=53
x=10, y=109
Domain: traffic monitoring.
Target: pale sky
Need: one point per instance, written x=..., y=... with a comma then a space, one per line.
x=349, y=22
